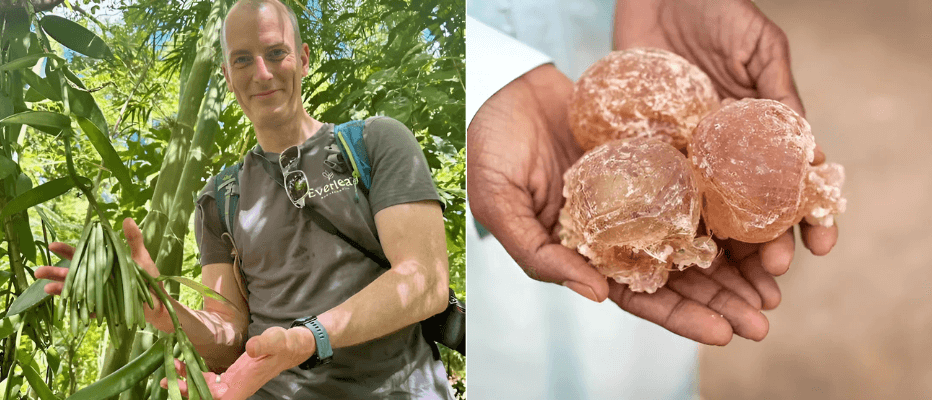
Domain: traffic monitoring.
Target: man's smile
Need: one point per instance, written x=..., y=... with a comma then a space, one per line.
x=264, y=95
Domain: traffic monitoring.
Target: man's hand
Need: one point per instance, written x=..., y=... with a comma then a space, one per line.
x=746, y=55
x=139, y=254
x=267, y=355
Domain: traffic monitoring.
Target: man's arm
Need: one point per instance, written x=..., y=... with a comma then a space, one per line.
x=218, y=332
x=414, y=289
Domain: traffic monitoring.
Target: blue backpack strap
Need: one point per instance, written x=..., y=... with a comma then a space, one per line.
x=349, y=139
x=226, y=193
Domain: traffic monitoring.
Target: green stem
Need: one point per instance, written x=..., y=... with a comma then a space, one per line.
x=88, y=193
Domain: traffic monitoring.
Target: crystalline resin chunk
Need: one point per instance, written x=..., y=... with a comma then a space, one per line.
x=632, y=208
x=640, y=92
x=752, y=162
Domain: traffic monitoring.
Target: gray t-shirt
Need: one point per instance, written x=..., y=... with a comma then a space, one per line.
x=293, y=268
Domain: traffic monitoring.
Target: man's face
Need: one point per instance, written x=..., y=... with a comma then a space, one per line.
x=263, y=68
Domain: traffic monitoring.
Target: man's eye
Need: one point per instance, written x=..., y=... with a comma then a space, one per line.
x=241, y=60
x=278, y=53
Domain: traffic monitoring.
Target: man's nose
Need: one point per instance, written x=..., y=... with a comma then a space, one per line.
x=262, y=71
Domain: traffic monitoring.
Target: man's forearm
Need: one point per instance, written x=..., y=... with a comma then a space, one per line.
x=408, y=293
x=218, y=336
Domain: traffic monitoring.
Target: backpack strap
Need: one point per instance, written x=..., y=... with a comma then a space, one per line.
x=226, y=195
x=348, y=137
x=226, y=192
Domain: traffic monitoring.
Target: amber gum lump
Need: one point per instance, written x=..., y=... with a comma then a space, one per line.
x=752, y=161
x=640, y=92
x=632, y=208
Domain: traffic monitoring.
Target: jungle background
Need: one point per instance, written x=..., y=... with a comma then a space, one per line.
x=133, y=90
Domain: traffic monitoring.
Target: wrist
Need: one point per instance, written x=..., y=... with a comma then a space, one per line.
x=322, y=352
x=307, y=341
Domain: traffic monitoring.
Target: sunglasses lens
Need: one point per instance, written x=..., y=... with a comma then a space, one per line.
x=296, y=185
x=288, y=160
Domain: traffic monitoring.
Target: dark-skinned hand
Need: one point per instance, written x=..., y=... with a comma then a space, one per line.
x=746, y=55
x=519, y=147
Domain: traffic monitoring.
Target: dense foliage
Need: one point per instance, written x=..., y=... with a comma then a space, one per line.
x=99, y=100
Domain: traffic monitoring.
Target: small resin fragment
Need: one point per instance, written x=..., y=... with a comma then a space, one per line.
x=632, y=208
x=752, y=162
x=640, y=92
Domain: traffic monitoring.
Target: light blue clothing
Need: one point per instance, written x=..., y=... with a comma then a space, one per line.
x=533, y=340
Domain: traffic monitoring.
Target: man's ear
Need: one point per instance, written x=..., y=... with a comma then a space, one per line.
x=305, y=58
x=226, y=76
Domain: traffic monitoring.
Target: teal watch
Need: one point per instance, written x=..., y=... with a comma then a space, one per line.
x=323, y=353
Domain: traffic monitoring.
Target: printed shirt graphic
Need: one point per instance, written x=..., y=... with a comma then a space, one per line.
x=293, y=268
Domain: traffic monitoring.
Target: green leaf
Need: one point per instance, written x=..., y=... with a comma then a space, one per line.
x=42, y=85
x=15, y=383
x=27, y=61
x=110, y=157
x=40, y=194
x=75, y=37
x=7, y=167
x=39, y=120
x=32, y=296
x=197, y=286
x=6, y=105
x=5, y=276
x=8, y=325
x=36, y=382
x=33, y=96
x=53, y=358
x=23, y=184
x=27, y=245
x=84, y=105
x=73, y=78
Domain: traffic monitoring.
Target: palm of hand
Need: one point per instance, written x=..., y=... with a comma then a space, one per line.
x=516, y=166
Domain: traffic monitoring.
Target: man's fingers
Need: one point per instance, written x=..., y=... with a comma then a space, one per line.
x=736, y=251
x=62, y=250
x=746, y=320
x=819, y=239
x=137, y=248
x=526, y=240
x=559, y=264
x=776, y=255
x=819, y=156
x=181, y=369
x=53, y=288
x=763, y=282
x=729, y=277
x=53, y=273
x=268, y=342
x=770, y=69
x=675, y=313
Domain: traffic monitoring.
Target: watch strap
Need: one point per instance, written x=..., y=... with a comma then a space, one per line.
x=323, y=353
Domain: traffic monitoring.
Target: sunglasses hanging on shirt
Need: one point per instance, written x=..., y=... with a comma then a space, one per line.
x=295, y=180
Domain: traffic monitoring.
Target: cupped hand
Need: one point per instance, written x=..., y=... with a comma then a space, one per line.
x=746, y=55
x=267, y=355
x=519, y=147
x=139, y=255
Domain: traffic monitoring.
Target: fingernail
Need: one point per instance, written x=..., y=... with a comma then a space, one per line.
x=583, y=290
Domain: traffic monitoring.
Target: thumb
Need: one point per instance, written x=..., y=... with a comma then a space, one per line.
x=261, y=345
x=552, y=262
x=770, y=69
x=517, y=228
x=137, y=248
